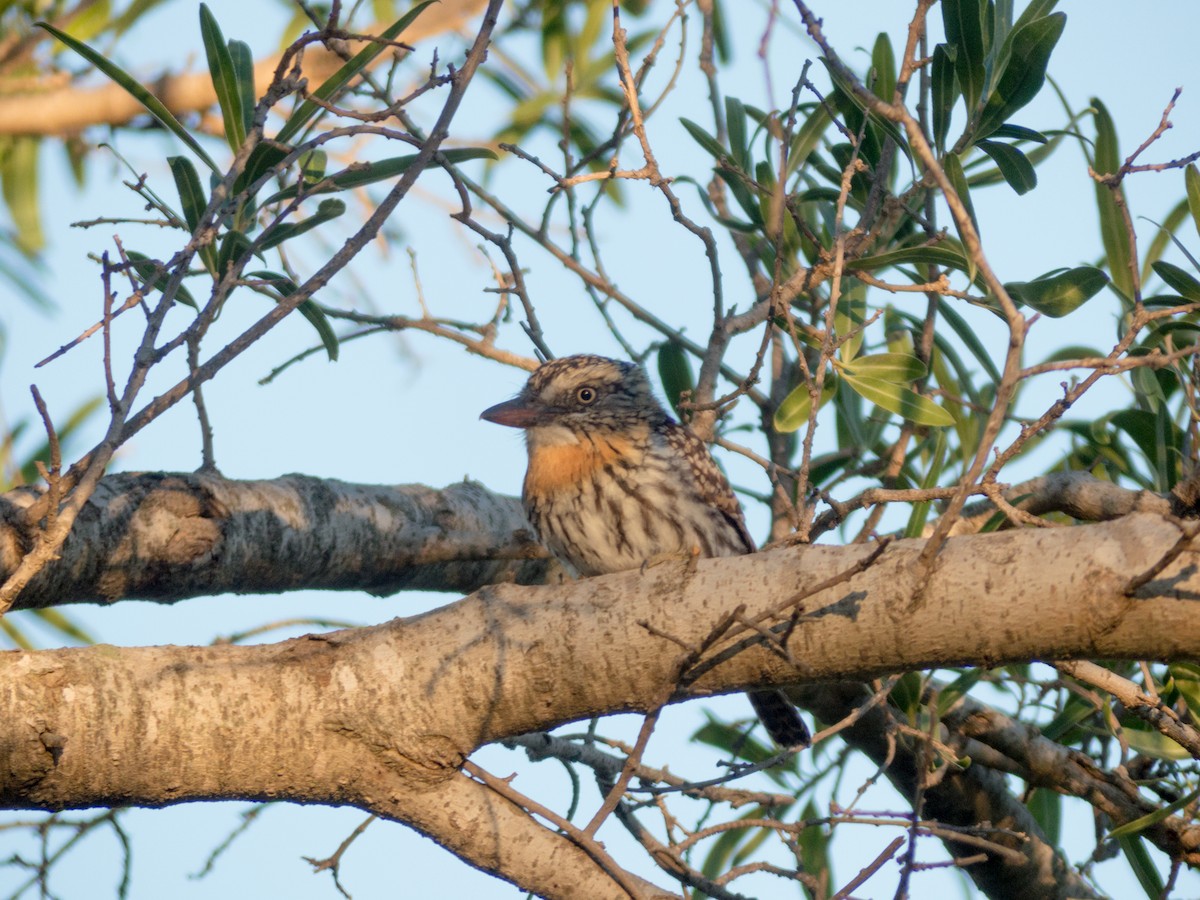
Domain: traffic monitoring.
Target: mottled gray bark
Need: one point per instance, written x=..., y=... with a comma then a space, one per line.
x=167, y=537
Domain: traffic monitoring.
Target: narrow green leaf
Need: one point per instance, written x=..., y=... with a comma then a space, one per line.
x=313, y=313
x=793, y=412
x=1056, y=294
x=265, y=156
x=897, y=368
x=1178, y=279
x=64, y=625
x=191, y=194
x=936, y=255
x=1035, y=10
x=735, y=125
x=890, y=128
x=243, y=70
x=326, y=210
x=1012, y=163
x=1112, y=224
x=155, y=277
x=1158, y=815
x=1046, y=807
x=675, y=372
x=1191, y=180
x=224, y=78
x=1018, y=133
x=705, y=140
x=963, y=21
x=883, y=61
x=153, y=105
x=312, y=166
x=362, y=174
x=19, y=173
x=1139, y=860
x=233, y=247
x=900, y=400
x=945, y=91
x=1024, y=72
x=952, y=166
x=808, y=137
x=339, y=79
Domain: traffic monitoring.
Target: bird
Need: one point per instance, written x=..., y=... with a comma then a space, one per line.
x=614, y=483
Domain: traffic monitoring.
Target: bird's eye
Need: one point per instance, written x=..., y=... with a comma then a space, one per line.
x=585, y=395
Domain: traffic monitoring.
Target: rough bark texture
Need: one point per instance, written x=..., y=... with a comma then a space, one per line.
x=167, y=537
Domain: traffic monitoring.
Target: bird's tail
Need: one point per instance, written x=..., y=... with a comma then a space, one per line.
x=781, y=720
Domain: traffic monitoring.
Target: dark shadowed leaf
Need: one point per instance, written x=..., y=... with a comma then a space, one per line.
x=1178, y=279
x=1012, y=163
x=1025, y=71
x=963, y=21
x=224, y=78
x=675, y=372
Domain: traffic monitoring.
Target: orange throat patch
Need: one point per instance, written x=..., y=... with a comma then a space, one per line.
x=554, y=467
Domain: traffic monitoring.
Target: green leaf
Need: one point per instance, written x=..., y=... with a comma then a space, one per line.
x=1155, y=745
x=952, y=166
x=1178, y=279
x=898, y=368
x=675, y=372
x=156, y=277
x=1018, y=133
x=705, y=140
x=243, y=69
x=313, y=313
x=342, y=76
x=191, y=195
x=1143, y=867
x=950, y=257
x=1024, y=72
x=1191, y=180
x=963, y=21
x=1046, y=807
x=900, y=400
x=224, y=78
x=735, y=125
x=265, y=156
x=326, y=210
x=883, y=61
x=967, y=334
x=808, y=136
x=153, y=105
x=1153, y=818
x=793, y=411
x=1112, y=224
x=945, y=92
x=19, y=173
x=361, y=174
x=1012, y=163
x=234, y=246
x=1056, y=294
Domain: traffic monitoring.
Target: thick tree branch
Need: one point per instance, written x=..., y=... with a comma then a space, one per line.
x=168, y=537
x=59, y=109
x=299, y=720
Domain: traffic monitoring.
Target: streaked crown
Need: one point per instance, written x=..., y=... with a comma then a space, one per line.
x=582, y=392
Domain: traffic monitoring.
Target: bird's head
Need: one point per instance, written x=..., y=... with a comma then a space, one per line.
x=581, y=393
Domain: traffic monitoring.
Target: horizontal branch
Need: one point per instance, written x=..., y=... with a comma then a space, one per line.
x=297, y=720
x=167, y=537
x=59, y=110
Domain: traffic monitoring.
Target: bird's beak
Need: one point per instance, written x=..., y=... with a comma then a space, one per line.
x=515, y=413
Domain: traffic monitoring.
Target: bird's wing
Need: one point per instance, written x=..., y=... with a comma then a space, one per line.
x=710, y=481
